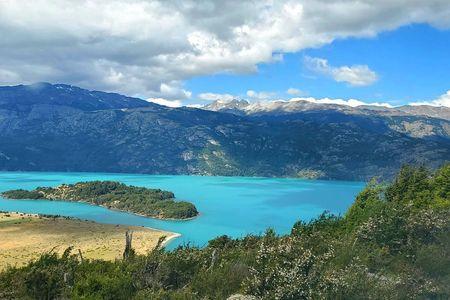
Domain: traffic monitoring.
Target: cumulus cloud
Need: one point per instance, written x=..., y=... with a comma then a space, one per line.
x=215, y=97
x=143, y=47
x=443, y=100
x=295, y=92
x=166, y=102
x=357, y=75
x=8, y=77
x=348, y=102
x=260, y=95
x=173, y=91
x=195, y=105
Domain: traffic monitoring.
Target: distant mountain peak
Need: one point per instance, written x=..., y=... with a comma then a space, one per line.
x=228, y=105
x=281, y=107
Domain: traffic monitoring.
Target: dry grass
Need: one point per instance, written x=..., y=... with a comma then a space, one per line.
x=24, y=237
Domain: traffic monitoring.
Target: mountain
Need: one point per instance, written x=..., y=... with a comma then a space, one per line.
x=236, y=106
x=440, y=112
x=24, y=97
x=415, y=121
x=64, y=128
x=244, y=107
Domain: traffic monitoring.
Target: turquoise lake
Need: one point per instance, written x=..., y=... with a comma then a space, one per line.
x=235, y=206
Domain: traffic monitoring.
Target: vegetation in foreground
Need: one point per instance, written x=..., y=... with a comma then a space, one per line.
x=393, y=243
x=149, y=202
x=25, y=237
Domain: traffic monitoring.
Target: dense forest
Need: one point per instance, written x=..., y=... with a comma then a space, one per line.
x=149, y=202
x=393, y=243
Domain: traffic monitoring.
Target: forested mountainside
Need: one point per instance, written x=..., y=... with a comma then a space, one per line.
x=393, y=243
x=64, y=128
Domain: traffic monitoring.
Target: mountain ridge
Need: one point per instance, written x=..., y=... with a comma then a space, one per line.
x=242, y=106
x=24, y=96
x=416, y=121
x=156, y=139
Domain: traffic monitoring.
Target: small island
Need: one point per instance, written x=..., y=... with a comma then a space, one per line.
x=153, y=203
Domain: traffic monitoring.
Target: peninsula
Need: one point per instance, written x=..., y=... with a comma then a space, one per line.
x=26, y=236
x=153, y=203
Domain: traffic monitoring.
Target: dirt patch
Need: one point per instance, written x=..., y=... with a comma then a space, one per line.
x=24, y=237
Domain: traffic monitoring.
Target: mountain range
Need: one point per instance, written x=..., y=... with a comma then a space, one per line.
x=296, y=105
x=57, y=127
x=418, y=120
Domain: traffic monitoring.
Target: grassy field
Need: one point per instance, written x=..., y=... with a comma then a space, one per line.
x=25, y=237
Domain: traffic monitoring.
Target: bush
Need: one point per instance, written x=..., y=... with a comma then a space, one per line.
x=393, y=243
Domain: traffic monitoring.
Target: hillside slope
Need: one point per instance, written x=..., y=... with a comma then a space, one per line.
x=392, y=243
x=41, y=136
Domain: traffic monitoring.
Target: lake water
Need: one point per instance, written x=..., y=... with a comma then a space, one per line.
x=235, y=206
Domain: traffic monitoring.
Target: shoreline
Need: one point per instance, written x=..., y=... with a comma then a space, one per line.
x=187, y=174
x=171, y=235
x=25, y=236
x=174, y=236
x=106, y=207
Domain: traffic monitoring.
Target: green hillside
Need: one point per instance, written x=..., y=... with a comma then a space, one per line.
x=393, y=243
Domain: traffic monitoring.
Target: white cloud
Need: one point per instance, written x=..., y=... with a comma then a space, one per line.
x=195, y=105
x=215, y=97
x=295, y=92
x=141, y=47
x=268, y=98
x=173, y=91
x=8, y=77
x=357, y=75
x=443, y=100
x=166, y=102
x=348, y=102
x=260, y=95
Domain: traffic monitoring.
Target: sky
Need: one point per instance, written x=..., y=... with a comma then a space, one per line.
x=385, y=52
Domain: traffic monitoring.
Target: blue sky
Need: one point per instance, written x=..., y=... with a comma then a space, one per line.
x=412, y=64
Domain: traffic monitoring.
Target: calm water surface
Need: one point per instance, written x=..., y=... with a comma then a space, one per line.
x=235, y=206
